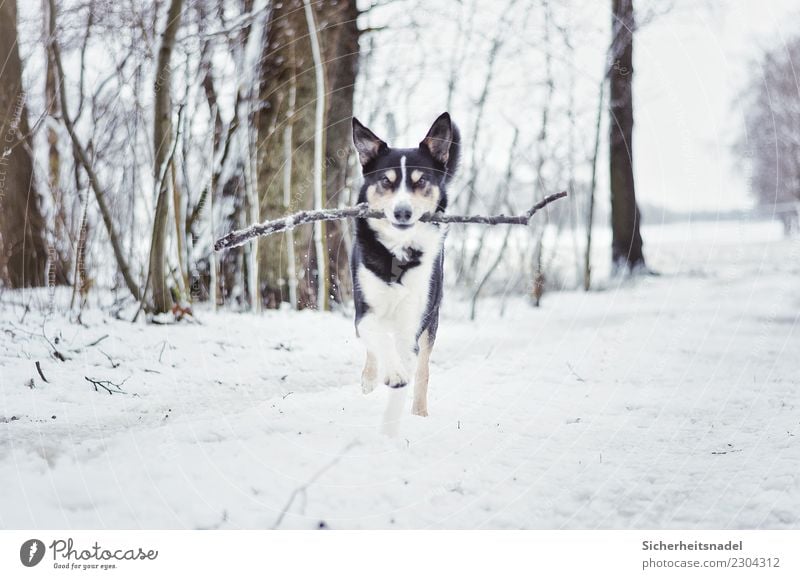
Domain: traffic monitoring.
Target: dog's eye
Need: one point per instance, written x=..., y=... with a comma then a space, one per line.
x=386, y=182
x=421, y=182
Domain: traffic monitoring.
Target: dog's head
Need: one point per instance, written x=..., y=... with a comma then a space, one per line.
x=407, y=183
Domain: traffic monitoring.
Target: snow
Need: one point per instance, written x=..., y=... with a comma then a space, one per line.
x=668, y=402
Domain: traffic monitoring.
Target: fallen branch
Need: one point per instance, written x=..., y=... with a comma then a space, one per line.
x=41, y=374
x=301, y=490
x=362, y=211
x=111, y=360
x=97, y=341
x=107, y=385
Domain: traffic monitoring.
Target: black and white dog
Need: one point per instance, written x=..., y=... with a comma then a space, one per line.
x=397, y=262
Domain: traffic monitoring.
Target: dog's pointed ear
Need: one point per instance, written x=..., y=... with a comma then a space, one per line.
x=368, y=145
x=439, y=138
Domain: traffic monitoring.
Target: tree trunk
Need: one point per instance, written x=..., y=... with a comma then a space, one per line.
x=587, y=257
x=319, y=144
x=288, y=64
x=340, y=54
x=626, y=244
x=23, y=252
x=60, y=248
x=162, y=143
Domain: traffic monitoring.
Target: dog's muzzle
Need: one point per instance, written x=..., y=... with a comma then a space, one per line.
x=402, y=217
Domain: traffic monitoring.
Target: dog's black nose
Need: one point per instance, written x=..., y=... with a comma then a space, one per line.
x=402, y=214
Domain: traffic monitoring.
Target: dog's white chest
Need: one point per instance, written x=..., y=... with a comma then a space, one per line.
x=404, y=301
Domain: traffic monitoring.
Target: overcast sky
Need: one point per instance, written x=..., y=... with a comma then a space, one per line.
x=690, y=65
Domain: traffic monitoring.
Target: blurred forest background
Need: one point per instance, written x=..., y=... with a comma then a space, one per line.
x=134, y=133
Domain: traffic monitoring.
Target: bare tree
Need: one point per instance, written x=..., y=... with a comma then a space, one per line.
x=60, y=243
x=23, y=252
x=587, y=256
x=83, y=160
x=770, y=142
x=626, y=244
x=162, y=143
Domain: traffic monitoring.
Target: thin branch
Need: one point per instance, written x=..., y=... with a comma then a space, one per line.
x=371, y=30
x=219, y=166
x=362, y=211
x=39, y=369
x=301, y=490
x=97, y=341
x=83, y=158
x=111, y=361
x=106, y=385
x=489, y=272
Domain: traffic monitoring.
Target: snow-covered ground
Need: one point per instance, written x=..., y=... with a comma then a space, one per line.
x=673, y=401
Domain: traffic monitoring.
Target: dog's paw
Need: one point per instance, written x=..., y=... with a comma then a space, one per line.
x=395, y=379
x=368, y=384
x=419, y=409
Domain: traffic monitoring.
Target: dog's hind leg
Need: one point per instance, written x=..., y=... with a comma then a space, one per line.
x=369, y=377
x=420, y=406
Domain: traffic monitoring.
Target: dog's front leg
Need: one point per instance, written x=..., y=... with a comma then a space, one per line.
x=379, y=338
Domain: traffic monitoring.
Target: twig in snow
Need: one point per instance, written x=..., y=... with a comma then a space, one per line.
x=574, y=373
x=163, y=347
x=730, y=451
x=111, y=360
x=25, y=313
x=301, y=490
x=41, y=374
x=106, y=385
x=90, y=345
x=56, y=353
x=362, y=211
x=97, y=341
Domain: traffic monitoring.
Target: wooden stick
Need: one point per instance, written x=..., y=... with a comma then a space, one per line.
x=362, y=211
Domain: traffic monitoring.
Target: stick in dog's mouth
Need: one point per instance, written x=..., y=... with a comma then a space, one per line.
x=362, y=211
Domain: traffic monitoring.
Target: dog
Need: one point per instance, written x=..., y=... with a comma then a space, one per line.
x=397, y=263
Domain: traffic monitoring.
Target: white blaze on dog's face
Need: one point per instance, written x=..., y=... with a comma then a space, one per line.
x=404, y=194
x=404, y=184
